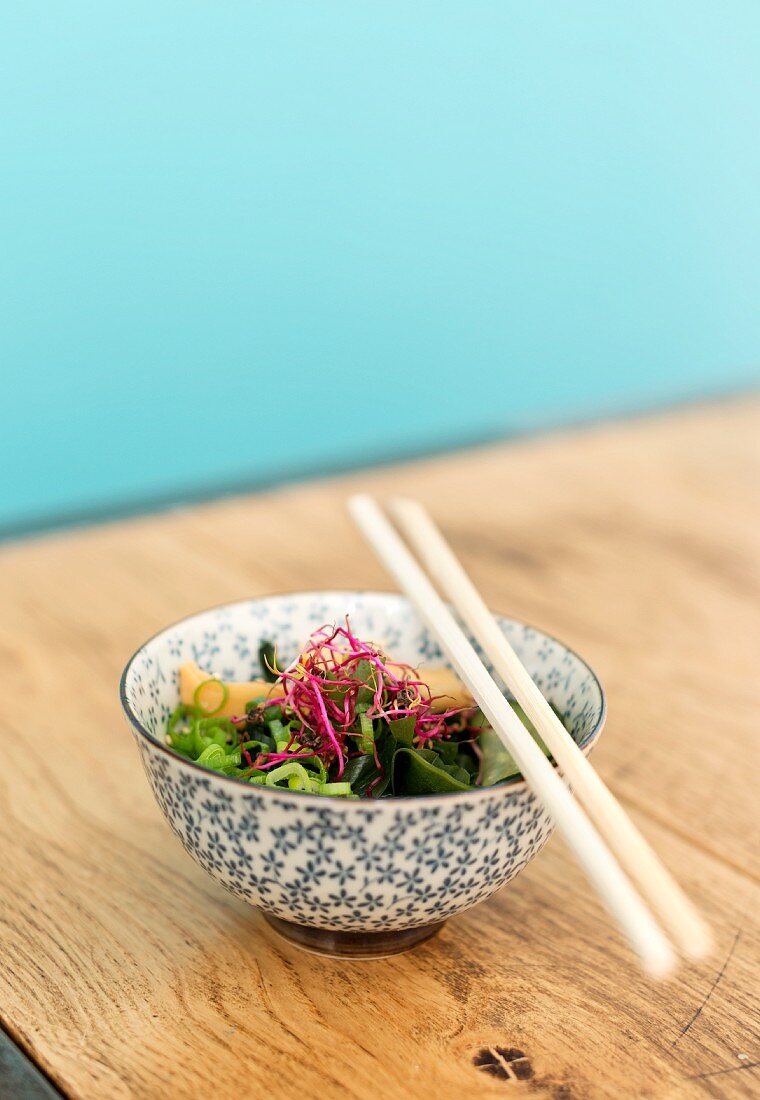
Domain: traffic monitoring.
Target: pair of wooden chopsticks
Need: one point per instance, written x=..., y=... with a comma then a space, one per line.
x=604, y=828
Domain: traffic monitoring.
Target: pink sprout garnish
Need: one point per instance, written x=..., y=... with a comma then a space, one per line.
x=321, y=690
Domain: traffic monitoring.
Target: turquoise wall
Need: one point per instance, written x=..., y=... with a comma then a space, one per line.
x=241, y=240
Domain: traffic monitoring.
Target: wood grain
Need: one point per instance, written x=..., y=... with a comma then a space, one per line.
x=125, y=972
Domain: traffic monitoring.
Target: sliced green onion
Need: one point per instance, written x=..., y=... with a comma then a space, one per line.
x=199, y=689
x=276, y=728
x=209, y=726
x=254, y=746
x=286, y=771
x=316, y=762
x=340, y=789
x=180, y=714
x=367, y=739
x=214, y=756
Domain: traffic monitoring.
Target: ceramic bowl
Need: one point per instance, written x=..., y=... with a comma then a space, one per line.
x=358, y=877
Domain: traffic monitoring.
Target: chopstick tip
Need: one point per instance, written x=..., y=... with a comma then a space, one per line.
x=700, y=942
x=661, y=961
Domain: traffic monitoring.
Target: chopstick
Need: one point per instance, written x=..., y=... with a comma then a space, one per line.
x=614, y=889
x=679, y=916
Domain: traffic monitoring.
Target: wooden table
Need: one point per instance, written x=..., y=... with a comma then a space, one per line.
x=125, y=972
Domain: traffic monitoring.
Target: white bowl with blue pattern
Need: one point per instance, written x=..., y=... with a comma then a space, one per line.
x=349, y=877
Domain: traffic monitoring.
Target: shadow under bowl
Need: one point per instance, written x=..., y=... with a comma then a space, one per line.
x=360, y=946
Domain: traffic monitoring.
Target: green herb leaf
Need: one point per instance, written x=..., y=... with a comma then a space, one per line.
x=421, y=771
x=447, y=750
x=498, y=762
x=403, y=729
x=366, y=672
x=359, y=772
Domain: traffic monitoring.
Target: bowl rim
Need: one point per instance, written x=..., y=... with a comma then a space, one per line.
x=509, y=788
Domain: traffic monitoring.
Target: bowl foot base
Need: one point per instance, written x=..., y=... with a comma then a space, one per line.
x=352, y=945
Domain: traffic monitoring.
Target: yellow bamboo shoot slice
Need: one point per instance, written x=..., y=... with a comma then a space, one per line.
x=444, y=684
x=191, y=678
x=446, y=687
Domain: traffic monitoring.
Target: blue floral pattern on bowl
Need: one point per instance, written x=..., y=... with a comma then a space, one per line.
x=354, y=866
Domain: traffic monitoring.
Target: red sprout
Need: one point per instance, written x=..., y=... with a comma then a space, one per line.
x=321, y=691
